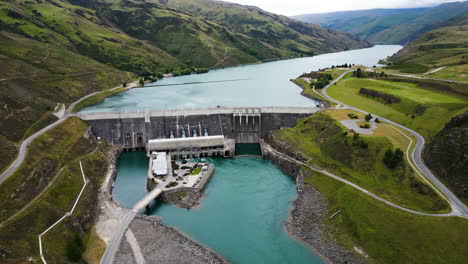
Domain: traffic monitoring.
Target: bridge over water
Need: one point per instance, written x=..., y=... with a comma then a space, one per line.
x=245, y=125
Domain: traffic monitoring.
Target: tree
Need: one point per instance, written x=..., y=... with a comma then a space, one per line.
x=377, y=120
x=368, y=117
x=124, y=84
x=399, y=155
x=142, y=82
x=392, y=159
x=359, y=73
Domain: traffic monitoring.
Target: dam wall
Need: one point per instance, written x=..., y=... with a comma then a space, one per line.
x=245, y=125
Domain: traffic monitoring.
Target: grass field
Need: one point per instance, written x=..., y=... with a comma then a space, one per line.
x=386, y=234
x=19, y=235
x=320, y=140
x=422, y=109
x=456, y=73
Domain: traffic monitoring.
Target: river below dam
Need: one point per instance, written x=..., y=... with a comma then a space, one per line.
x=247, y=200
x=241, y=216
x=264, y=84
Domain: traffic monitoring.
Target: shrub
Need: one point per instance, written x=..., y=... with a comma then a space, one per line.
x=365, y=126
x=392, y=159
x=368, y=117
x=377, y=120
x=387, y=98
x=75, y=248
x=201, y=70
x=142, y=82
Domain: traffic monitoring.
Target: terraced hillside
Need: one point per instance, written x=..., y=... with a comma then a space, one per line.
x=55, y=51
x=445, y=46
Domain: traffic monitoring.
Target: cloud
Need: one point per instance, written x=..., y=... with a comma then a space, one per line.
x=295, y=7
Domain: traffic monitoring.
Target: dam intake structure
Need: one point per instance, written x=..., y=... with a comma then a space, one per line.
x=134, y=130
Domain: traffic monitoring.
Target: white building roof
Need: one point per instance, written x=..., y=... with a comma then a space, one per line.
x=189, y=142
x=160, y=164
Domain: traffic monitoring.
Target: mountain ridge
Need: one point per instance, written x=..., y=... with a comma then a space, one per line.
x=387, y=26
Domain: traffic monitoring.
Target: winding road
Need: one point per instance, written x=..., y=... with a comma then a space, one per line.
x=25, y=144
x=458, y=207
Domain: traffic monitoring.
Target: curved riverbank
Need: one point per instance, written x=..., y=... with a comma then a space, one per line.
x=306, y=215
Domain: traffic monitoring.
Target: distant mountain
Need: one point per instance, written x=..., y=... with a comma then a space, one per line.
x=387, y=26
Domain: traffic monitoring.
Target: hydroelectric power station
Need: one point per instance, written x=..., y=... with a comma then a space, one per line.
x=141, y=130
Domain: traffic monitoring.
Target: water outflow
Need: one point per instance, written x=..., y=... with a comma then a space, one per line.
x=242, y=216
x=265, y=84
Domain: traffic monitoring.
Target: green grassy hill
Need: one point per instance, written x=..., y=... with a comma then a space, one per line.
x=387, y=26
x=445, y=46
x=56, y=51
x=275, y=30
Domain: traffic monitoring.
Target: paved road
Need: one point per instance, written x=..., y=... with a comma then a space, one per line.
x=23, y=148
x=25, y=144
x=425, y=78
x=458, y=207
x=124, y=222
x=352, y=184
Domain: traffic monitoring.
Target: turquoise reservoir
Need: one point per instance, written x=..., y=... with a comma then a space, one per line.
x=242, y=216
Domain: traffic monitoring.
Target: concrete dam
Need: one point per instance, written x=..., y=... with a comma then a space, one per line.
x=133, y=130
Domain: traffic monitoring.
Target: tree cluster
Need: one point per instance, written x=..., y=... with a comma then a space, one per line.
x=387, y=98
x=372, y=74
x=393, y=158
x=342, y=66
x=201, y=70
x=322, y=81
x=182, y=72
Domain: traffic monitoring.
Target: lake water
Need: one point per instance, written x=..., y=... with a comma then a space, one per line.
x=247, y=199
x=265, y=84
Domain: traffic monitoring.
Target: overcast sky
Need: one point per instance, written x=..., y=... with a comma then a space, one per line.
x=296, y=7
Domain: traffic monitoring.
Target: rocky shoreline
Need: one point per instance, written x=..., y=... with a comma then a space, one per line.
x=182, y=199
x=305, y=221
x=162, y=244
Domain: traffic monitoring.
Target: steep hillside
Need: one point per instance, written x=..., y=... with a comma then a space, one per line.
x=446, y=155
x=446, y=46
x=387, y=26
x=278, y=31
x=55, y=51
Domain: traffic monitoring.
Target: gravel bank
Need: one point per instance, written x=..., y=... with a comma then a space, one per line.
x=163, y=244
x=307, y=214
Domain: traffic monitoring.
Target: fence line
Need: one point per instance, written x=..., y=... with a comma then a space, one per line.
x=85, y=182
